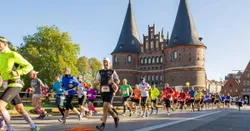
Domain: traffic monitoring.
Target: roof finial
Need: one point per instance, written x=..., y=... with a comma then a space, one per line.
x=167, y=35
x=162, y=32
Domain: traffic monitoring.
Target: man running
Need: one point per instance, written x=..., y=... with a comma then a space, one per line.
x=198, y=99
x=12, y=66
x=108, y=80
x=168, y=94
x=144, y=88
x=154, y=96
x=69, y=83
x=126, y=90
x=223, y=100
x=175, y=96
x=136, y=99
x=37, y=85
x=59, y=94
x=182, y=99
x=192, y=93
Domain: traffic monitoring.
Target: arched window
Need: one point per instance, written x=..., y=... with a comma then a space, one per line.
x=147, y=45
x=149, y=77
x=149, y=60
x=175, y=54
x=161, y=77
x=157, y=45
x=142, y=61
x=157, y=77
x=152, y=45
x=161, y=59
x=145, y=61
x=153, y=60
x=157, y=59
x=153, y=78
x=129, y=59
x=115, y=59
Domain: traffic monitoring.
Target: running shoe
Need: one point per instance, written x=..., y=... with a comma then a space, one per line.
x=146, y=114
x=80, y=117
x=35, y=129
x=151, y=112
x=101, y=128
x=63, y=121
x=156, y=111
x=116, y=119
x=40, y=117
x=168, y=114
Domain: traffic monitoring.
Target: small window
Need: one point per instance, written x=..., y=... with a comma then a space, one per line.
x=161, y=78
x=142, y=61
x=230, y=85
x=149, y=77
x=116, y=59
x=236, y=90
x=248, y=83
x=230, y=90
x=145, y=61
x=149, y=60
x=152, y=45
x=247, y=89
x=175, y=55
x=142, y=50
x=152, y=36
x=147, y=45
x=153, y=78
x=244, y=90
x=157, y=59
x=157, y=44
x=153, y=60
x=157, y=77
x=244, y=82
x=161, y=59
x=129, y=59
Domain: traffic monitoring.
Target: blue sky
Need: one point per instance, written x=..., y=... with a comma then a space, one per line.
x=96, y=25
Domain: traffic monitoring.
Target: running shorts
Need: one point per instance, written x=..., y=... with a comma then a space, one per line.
x=107, y=97
x=168, y=103
x=82, y=100
x=137, y=101
x=124, y=99
x=11, y=95
x=144, y=101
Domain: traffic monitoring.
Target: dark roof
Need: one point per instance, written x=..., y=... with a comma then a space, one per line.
x=129, y=40
x=184, y=32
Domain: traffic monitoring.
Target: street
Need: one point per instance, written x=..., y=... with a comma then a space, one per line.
x=209, y=120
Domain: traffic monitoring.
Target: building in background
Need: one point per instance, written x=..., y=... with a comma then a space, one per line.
x=161, y=59
x=214, y=86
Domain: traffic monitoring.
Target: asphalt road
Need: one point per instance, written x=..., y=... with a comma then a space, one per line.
x=209, y=120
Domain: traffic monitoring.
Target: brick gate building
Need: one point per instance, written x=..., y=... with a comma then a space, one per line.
x=158, y=58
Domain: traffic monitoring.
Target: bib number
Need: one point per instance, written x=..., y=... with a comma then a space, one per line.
x=62, y=97
x=105, y=89
x=5, y=85
x=79, y=96
x=124, y=92
x=66, y=93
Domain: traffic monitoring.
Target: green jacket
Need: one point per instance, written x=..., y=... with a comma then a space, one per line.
x=154, y=93
x=8, y=59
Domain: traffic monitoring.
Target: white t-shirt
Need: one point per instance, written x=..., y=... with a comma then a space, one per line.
x=81, y=89
x=144, y=88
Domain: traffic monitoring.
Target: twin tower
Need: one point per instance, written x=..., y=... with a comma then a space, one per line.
x=158, y=58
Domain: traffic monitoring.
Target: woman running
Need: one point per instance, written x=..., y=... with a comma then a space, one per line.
x=91, y=93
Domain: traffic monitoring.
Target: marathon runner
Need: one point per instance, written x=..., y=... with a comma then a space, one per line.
x=126, y=90
x=162, y=100
x=136, y=99
x=108, y=80
x=227, y=100
x=239, y=102
x=82, y=96
x=207, y=101
x=175, y=96
x=91, y=93
x=69, y=83
x=154, y=96
x=59, y=94
x=182, y=99
x=212, y=100
x=12, y=66
x=198, y=99
x=192, y=94
x=168, y=94
x=223, y=100
x=217, y=101
x=188, y=101
x=144, y=87
x=245, y=101
x=37, y=85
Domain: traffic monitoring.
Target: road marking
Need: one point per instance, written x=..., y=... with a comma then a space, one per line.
x=175, y=122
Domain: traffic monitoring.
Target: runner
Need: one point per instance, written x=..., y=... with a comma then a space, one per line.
x=162, y=100
x=37, y=86
x=239, y=102
x=68, y=84
x=198, y=99
x=59, y=95
x=91, y=93
x=175, y=96
x=12, y=66
x=154, y=97
x=136, y=99
x=192, y=94
x=227, y=100
x=182, y=99
x=223, y=100
x=126, y=90
x=168, y=94
x=207, y=101
x=245, y=101
x=108, y=80
x=188, y=101
x=217, y=101
x=144, y=87
x=82, y=96
x=212, y=96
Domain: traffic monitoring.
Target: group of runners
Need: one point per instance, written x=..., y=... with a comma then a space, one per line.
x=141, y=99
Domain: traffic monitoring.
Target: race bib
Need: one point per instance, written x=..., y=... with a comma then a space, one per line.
x=62, y=97
x=60, y=89
x=89, y=95
x=5, y=85
x=85, y=93
x=79, y=96
x=105, y=89
x=124, y=92
x=66, y=93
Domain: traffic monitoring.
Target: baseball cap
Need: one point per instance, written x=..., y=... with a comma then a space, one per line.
x=106, y=59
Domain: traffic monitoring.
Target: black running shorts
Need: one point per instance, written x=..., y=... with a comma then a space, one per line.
x=11, y=95
x=107, y=97
x=168, y=103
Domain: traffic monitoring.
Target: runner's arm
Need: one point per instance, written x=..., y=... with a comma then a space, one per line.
x=131, y=91
x=25, y=66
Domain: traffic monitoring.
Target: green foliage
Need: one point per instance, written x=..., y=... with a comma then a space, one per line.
x=10, y=107
x=49, y=51
x=95, y=65
x=83, y=67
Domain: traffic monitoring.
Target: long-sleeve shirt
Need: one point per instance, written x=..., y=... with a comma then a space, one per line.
x=91, y=93
x=67, y=81
x=10, y=58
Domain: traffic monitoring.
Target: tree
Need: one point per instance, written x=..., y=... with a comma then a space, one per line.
x=50, y=51
x=95, y=65
x=83, y=67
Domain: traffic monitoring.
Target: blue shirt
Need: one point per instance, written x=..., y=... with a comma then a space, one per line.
x=228, y=97
x=222, y=98
x=67, y=81
x=192, y=93
x=207, y=96
x=58, y=88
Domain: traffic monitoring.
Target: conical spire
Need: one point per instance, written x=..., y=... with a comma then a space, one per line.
x=129, y=40
x=167, y=35
x=162, y=32
x=184, y=32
